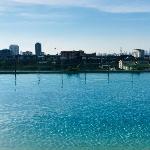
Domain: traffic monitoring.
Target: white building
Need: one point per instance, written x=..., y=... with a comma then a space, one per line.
x=14, y=49
x=125, y=65
x=138, y=53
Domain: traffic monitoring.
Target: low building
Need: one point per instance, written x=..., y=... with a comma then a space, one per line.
x=71, y=55
x=28, y=53
x=53, y=59
x=27, y=59
x=87, y=56
x=138, y=53
x=5, y=54
x=125, y=65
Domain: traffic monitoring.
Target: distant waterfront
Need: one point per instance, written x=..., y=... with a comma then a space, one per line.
x=93, y=111
x=77, y=61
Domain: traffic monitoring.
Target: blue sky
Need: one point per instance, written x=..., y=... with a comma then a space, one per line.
x=90, y=25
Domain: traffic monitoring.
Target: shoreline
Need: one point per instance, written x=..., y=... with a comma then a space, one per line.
x=70, y=72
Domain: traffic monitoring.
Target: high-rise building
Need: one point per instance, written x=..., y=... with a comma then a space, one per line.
x=38, y=49
x=14, y=49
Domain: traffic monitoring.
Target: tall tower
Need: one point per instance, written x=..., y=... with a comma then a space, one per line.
x=14, y=49
x=38, y=49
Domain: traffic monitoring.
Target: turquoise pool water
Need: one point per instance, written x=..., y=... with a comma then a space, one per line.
x=75, y=112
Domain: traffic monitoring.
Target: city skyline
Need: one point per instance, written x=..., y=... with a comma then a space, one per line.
x=93, y=26
x=38, y=50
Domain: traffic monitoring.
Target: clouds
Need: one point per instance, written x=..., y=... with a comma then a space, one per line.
x=111, y=6
x=79, y=21
x=66, y=10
